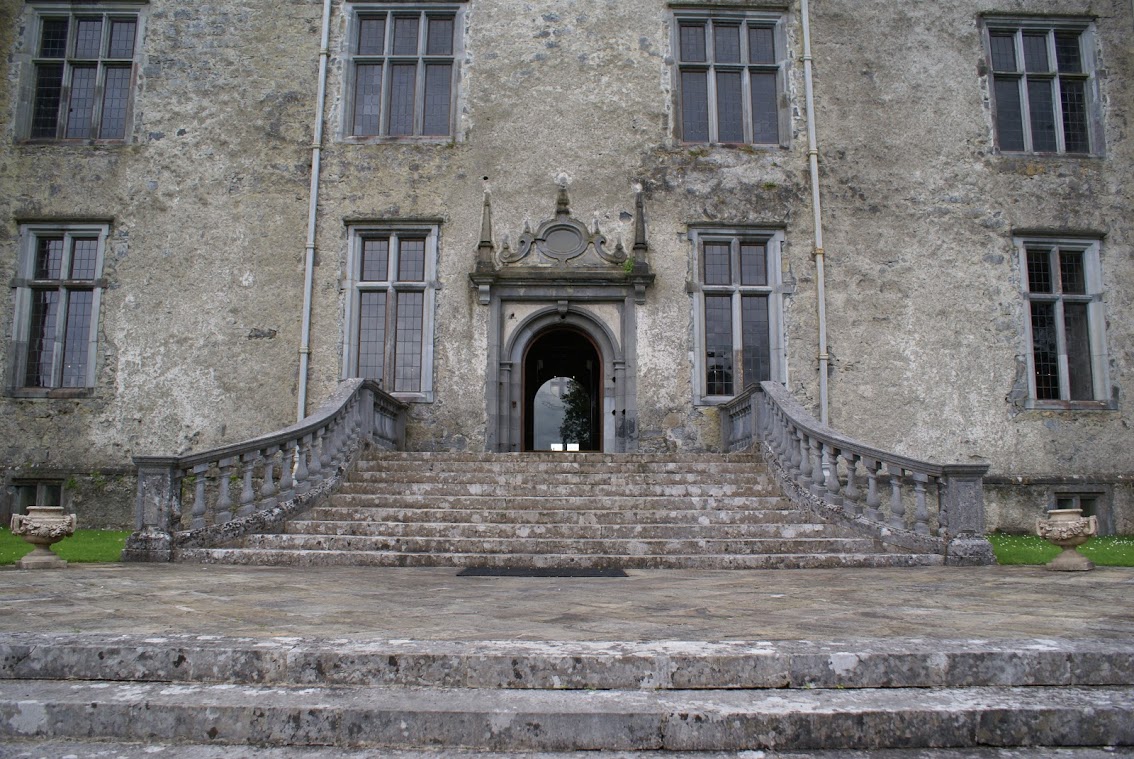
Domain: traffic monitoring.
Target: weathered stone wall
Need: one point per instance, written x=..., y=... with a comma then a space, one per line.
x=200, y=323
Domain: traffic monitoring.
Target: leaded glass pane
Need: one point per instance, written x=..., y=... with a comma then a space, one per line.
x=1073, y=98
x=48, y=258
x=375, y=265
x=694, y=106
x=753, y=264
x=367, y=98
x=1003, y=51
x=122, y=39
x=692, y=42
x=765, y=112
x=84, y=257
x=1045, y=354
x=761, y=44
x=718, y=263
x=1035, y=53
x=726, y=44
x=718, y=344
x=1072, y=276
x=1077, y=335
x=405, y=35
x=1041, y=107
x=1068, y=53
x=48, y=91
x=88, y=38
x=440, y=37
x=1039, y=270
x=53, y=38
x=403, y=81
x=115, y=98
x=371, y=334
x=438, y=98
x=411, y=260
x=372, y=35
x=76, y=339
x=82, y=101
x=409, y=339
x=1009, y=114
x=730, y=107
x=756, y=349
x=41, y=338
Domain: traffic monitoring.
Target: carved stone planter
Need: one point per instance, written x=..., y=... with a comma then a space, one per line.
x=43, y=526
x=1068, y=528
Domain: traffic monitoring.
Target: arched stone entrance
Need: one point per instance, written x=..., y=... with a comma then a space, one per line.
x=563, y=392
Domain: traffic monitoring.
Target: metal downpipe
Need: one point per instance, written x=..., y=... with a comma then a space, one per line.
x=817, y=208
x=309, y=258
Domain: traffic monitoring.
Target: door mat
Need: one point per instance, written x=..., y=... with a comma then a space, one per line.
x=538, y=572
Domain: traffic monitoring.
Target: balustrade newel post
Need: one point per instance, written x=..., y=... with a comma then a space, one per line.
x=157, y=503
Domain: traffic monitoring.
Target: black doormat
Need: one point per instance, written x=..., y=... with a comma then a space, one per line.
x=538, y=572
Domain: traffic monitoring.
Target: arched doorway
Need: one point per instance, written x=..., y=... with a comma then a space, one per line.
x=562, y=392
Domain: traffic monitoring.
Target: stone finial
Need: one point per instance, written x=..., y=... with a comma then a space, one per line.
x=562, y=203
x=485, y=248
x=640, y=244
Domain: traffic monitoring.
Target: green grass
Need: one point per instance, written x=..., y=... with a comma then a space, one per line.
x=83, y=546
x=1105, y=551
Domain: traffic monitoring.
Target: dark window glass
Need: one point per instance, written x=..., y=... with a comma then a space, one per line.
x=753, y=264
x=84, y=257
x=1067, y=53
x=730, y=107
x=82, y=101
x=48, y=94
x=411, y=260
x=726, y=44
x=122, y=39
x=718, y=344
x=80, y=304
x=409, y=337
x=761, y=45
x=371, y=334
x=440, y=40
x=1077, y=334
x=53, y=38
x=692, y=43
x=405, y=35
x=41, y=338
x=375, y=260
x=765, y=112
x=694, y=106
x=718, y=267
x=1009, y=115
x=371, y=35
x=367, y=98
x=1072, y=276
x=403, y=78
x=1073, y=98
x=1003, y=52
x=438, y=98
x=115, y=98
x=1039, y=270
x=88, y=38
x=1040, y=104
x=1035, y=53
x=49, y=258
x=1045, y=351
x=754, y=322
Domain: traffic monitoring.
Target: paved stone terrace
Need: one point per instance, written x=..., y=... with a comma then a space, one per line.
x=648, y=605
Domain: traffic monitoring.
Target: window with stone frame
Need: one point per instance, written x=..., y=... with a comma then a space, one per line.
x=402, y=73
x=1062, y=287
x=58, y=289
x=1095, y=503
x=738, y=306
x=1043, y=86
x=83, y=62
x=42, y=493
x=393, y=285
x=730, y=77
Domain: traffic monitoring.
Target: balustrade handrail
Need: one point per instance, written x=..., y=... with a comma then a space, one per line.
x=256, y=483
x=921, y=505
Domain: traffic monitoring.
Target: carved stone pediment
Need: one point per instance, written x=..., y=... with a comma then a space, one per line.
x=559, y=240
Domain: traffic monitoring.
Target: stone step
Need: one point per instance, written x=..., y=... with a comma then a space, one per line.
x=572, y=479
x=538, y=545
x=570, y=531
x=552, y=490
x=537, y=512
x=512, y=464
x=572, y=560
x=564, y=458
x=568, y=665
x=547, y=720
x=620, y=503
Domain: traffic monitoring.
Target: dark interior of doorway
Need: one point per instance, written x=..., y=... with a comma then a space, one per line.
x=564, y=352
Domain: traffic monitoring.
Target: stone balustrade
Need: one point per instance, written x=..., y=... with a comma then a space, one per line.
x=203, y=499
x=905, y=502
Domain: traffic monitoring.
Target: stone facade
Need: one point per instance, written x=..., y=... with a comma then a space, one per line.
x=204, y=203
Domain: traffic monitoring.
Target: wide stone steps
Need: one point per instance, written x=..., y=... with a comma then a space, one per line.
x=566, y=510
x=567, y=696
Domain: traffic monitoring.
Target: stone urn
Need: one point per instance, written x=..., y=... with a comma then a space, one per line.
x=1068, y=528
x=43, y=526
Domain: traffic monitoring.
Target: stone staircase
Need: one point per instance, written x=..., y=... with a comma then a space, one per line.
x=444, y=697
x=559, y=510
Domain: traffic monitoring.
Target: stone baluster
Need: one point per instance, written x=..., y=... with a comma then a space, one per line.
x=850, y=491
x=804, y=458
x=897, y=509
x=793, y=451
x=268, y=485
x=287, y=463
x=315, y=460
x=815, y=452
x=831, y=467
x=921, y=513
x=873, y=508
x=302, y=474
x=223, y=511
x=197, y=515
x=247, y=494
